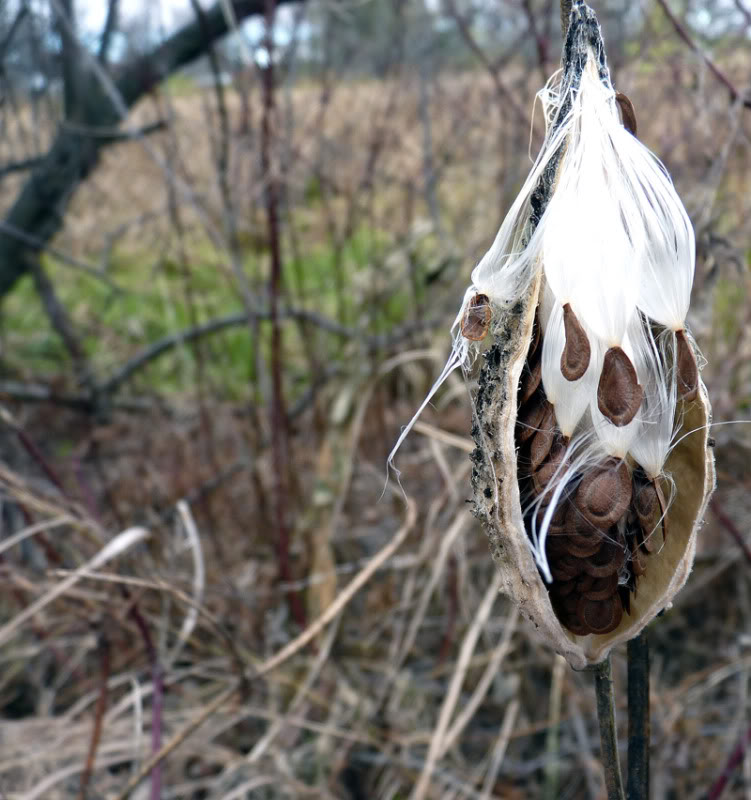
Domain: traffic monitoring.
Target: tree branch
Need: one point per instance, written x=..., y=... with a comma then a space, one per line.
x=109, y=28
x=167, y=343
x=39, y=208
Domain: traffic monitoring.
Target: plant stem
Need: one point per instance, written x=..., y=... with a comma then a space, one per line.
x=637, y=786
x=608, y=736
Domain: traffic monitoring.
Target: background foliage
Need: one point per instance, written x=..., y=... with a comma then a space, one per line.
x=228, y=265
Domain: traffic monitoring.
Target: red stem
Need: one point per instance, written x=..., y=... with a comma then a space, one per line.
x=731, y=528
x=157, y=703
x=718, y=787
x=279, y=422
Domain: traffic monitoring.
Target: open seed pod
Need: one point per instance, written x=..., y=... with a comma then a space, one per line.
x=497, y=498
x=592, y=470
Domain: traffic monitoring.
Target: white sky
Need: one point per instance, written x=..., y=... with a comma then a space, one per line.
x=92, y=13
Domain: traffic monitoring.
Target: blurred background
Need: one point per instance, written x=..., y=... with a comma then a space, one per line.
x=233, y=238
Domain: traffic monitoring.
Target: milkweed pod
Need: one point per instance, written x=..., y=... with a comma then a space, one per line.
x=497, y=502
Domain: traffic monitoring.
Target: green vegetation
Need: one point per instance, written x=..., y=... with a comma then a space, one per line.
x=157, y=297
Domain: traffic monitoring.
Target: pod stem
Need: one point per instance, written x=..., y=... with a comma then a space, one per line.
x=638, y=718
x=608, y=734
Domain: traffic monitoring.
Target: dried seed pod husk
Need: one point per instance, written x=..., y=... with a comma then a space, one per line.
x=496, y=499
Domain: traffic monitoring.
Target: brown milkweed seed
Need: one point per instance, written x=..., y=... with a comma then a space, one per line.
x=567, y=567
x=602, y=588
x=628, y=115
x=531, y=418
x=542, y=441
x=566, y=609
x=553, y=464
x=604, y=494
x=583, y=546
x=564, y=588
x=531, y=377
x=606, y=561
x=577, y=351
x=600, y=616
x=688, y=372
x=476, y=319
x=619, y=394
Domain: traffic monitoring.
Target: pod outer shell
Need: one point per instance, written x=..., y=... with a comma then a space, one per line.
x=496, y=496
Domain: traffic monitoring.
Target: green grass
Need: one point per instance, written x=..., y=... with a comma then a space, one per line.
x=354, y=285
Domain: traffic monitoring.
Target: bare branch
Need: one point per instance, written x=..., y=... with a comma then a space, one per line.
x=167, y=343
x=38, y=209
x=109, y=28
x=683, y=33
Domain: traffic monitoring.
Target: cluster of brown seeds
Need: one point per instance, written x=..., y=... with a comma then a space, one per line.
x=609, y=516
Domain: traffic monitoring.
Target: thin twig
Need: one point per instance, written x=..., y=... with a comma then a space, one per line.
x=718, y=787
x=157, y=679
x=637, y=786
x=731, y=528
x=101, y=707
x=683, y=33
x=608, y=734
x=280, y=438
x=218, y=324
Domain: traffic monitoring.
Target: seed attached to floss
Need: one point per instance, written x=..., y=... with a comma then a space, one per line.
x=476, y=319
x=688, y=371
x=619, y=393
x=628, y=115
x=577, y=351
